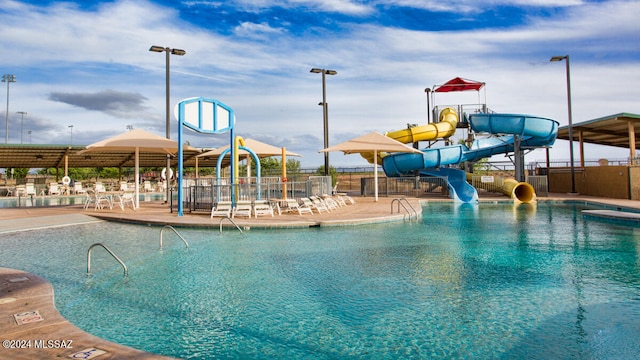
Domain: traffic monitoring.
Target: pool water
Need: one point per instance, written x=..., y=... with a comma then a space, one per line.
x=467, y=281
x=42, y=201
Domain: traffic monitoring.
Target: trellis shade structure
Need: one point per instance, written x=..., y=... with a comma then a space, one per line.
x=372, y=142
x=617, y=130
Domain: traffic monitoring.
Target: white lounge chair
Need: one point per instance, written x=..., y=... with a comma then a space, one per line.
x=310, y=204
x=293, y=205
x=30, y=189
x=77, y=188
x=222, y=209
x=262, y=207
x=54, y=189
x=242, y=208
x=319, y=203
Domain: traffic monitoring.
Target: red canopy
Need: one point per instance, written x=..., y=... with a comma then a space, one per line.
x=459, y=84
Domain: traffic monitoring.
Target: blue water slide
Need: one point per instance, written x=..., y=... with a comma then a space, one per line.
x=533, y=131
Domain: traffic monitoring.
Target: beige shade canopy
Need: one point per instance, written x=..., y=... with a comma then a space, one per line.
x=261, y=149
x=135, y=141
x=372, y=142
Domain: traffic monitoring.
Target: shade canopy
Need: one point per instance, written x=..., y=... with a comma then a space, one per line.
x=135, y=141
x=459, y=84
x=259, y=148
x=372, y=142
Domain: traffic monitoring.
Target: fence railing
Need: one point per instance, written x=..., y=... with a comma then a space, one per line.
x=417, y=186
x=201, y=194
x=405, y=186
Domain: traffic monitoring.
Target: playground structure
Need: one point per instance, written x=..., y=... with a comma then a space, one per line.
x=489, y=134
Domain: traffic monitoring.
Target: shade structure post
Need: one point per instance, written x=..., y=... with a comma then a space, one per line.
x=375, y=173
x=137, y=175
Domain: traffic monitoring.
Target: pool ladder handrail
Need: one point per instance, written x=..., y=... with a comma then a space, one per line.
x=124, y=267
x=176, y=232
x=233, y=222
x=402, y=202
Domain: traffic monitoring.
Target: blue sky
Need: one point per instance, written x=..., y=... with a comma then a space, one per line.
x=87, y=64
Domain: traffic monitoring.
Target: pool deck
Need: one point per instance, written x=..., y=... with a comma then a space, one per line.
x=32, y=328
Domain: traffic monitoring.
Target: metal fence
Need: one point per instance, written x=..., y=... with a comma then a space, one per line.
x=417, y=186
x=405, y=186
x=201, y=194
x=495, y=184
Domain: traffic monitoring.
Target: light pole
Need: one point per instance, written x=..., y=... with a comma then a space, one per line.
x=325, y=116
x=573, y=177
x=169, y=51
x=22, y=114
x=8, y=78
x=70, y=134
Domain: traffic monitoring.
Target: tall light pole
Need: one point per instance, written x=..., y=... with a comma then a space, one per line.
x=70, y=134
x=573, y=176
x=8, y=78
x=169, y=51
x=325, y=114
x=22, y=114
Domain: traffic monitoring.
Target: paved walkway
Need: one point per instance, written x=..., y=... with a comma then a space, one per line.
x=30, y=323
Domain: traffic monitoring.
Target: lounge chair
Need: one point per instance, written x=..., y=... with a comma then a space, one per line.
x=222, y=209
x=77, y=188
x=147, y=187
x=262, y=207
x=347, y=199
x=29, y=189
x=310, y=204
x=100, y=187
x=123, y=186
x=54, y=189
x=242, y=208
x=318, y=202
x=330, y=203
x=293, y=205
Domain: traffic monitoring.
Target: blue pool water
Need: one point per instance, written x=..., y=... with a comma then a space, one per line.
x=41, y=201
x=467, y=281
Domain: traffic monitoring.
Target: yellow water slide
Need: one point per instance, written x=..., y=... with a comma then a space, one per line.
x=516, y=190
x=443, y=129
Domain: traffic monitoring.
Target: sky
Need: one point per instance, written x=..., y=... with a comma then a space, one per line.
x=84, y=71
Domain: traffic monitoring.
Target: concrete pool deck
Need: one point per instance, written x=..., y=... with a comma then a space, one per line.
x=31, y=327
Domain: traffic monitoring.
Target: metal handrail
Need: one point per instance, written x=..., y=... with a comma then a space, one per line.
x=403, y=201
x=175, y=231
x=228, y=218
x=126, y=272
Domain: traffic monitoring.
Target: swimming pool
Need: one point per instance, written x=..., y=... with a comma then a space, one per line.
x=468, y=281
x=40, y=201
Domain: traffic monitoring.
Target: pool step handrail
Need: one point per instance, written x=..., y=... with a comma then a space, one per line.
x=233, y=222
x=406, y=205
x=124, y=267
x=175, y=231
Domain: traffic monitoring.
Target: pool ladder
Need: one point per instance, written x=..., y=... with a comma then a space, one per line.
x=124, y=267
x=234, y=224
x=406, y=205
x=175, y=231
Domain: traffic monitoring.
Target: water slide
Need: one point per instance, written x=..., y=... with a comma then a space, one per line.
x=531, y=131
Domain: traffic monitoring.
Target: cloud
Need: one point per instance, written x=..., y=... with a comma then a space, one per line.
x=115, y=103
